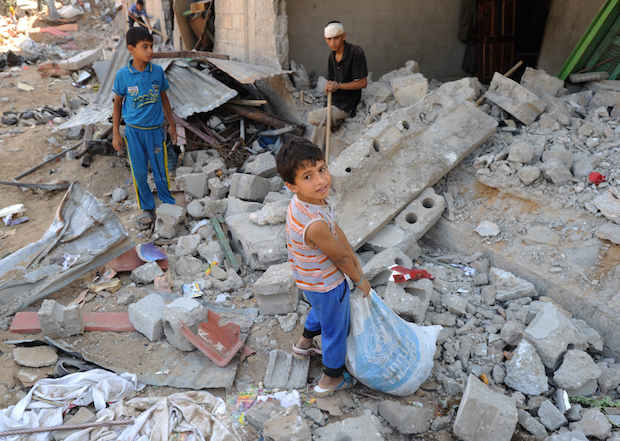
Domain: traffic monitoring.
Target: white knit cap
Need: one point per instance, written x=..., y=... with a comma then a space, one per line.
x=333, y=30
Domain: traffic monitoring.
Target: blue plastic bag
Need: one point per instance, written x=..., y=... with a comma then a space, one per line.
x=386, y=352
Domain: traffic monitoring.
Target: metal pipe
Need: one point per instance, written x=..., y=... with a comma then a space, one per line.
x=65, y=427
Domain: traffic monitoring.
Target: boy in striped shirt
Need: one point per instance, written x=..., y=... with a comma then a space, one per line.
x=320, y=257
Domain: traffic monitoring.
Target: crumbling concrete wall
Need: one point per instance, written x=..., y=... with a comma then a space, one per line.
x=252, y=31
x=390, y=32
x=566, y=23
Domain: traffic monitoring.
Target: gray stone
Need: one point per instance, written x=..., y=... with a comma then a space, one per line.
x=211, y=252
x=219, y=187
x=484, y=415
x=593, y=424
x=453, y=387
x=540, y=234
x=189, y=266
x=499, y=375
x=188, y=245
x=119, y=195
x=583, y=166
x=249, y=187
x=169, y=220
x=525, y=371
x=555, y=171
x=408, y=420
x=185, y=310
x=288, y=321
x=219, y=273
x=446, y=319
x=540, y=82
x=551, y=333
x=515, y=99
x=276, y=290
x=574, y=435
x=510, y=287
x=125, y=297
x=207, y=207
x=488, y=294
x=409, y=300
x=212, y=168
x=272, y=213
x=184, y=170
x=146, y=316
x=511, y=333
x=73, y=133
x=420, y=215
x=285, y=371
x=146, y=273
x=194, y=184
x=258, y=414
x=238, y=206
x=377, y=109
x=276, y=183
x=521, y=152
x=480, y=279
x=609, y=204
x=287, y=425
x=528, y=174
x=399, y=157
x=83, y=415
x=35, y=356
x=576, y=370
x=587, y=390
x=260, y=246
x=264, y=165
x=529, y=423
x=488, y=229
x=551, y=417
x=233, y=282
x=200, y=158
x=57, y=320
x=367, y=428
x=559, y=154
x=609, y=232
x=574, y=413
x=376, y=269
x=609, y=378
x=409, y=89
x=455, y=304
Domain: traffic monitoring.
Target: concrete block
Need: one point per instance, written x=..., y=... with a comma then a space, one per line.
x=218, y=187
x=276, y=183
x=260, y=246
x=272, y=213
x=83, y=415
x=393, y=162
x=188, y=245
x=408, y=420
x=389, y=236
x=258, y=414
x=237, y=206
x=409, y=89
x=540, y=82
x=525, y=372
x=146, y=316
x=211, y=251
x=194, y=184
x=57, y=320
x=169, y=220
x=485, y=415
x=409, y=300
x=609, y=204
x=376, y=269
x=286, y=426
x=198, y=159
x=249, y=187
x=605, y=98
x=263, y=165
x=207, y=207
x=286, y=372
x=190, y=312
x=146, y=273
x=276, y=290
x=420, y=215
x=81, y=60
x=550, y=416
x=367, y=428
x=510, y=287
x=213, y=167
x=189, y=266
x=515, y=99
x=576, y=370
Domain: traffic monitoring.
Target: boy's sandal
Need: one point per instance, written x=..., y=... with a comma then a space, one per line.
x=145, y=220
x=347, y=383
x=303, y=353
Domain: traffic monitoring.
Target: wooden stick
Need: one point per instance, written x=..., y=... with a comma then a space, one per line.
x=165, y=37
x=328, y=130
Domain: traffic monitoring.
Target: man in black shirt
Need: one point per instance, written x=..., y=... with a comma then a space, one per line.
x=346, y=78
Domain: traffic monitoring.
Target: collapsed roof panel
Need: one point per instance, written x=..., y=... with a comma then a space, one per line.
x=246, y=73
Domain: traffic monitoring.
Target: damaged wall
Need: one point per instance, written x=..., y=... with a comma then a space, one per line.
x=252, y=31
x=390, y=32
x=567, y=21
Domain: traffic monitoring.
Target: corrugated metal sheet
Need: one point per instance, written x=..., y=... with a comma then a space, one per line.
x=245, y=73
x=191, y=90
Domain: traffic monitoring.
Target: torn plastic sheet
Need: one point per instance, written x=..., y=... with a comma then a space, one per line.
x=82, y=226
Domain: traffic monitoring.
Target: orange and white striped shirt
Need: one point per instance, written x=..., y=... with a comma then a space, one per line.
x=313, y=270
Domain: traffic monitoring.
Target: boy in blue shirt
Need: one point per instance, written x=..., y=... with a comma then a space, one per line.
x=140, y=89
x=320, y=257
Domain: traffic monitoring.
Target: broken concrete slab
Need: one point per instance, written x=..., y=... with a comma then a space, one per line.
x=169, y=220
x=146, y=273
x=57, y=320
x=609, y=204
x=409, y=89
x=551, y=417
x=540, y=82
x=525, y=371
x=485, y=415
x=146, y=316
x=188, y=311
x=285, y=371
x=263, y=165
x=35, y=356
x=421, y=214
x=510, y=287
x=276, y=290
x=367, y=428
x=249, y=187
x=207, y=207
x=262, y=411
x=394, y=161
x=81, y=60
x=188, y=245
x=593, y=424
x=409, y=300
x=576, y=370
x=515, y=99
x=531, y=424
x=260, y=246
x=194, y=184
x=408, y=420
x=287, y=425
x=377, y=271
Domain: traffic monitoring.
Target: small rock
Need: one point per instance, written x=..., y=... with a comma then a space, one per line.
x=35, y=356
x=119, y=195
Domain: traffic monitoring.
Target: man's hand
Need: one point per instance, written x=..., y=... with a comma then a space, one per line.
x=172, y=129
x=331, y=86
x=117, y=143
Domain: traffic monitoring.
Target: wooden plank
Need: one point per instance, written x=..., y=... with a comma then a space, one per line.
x=188, y=37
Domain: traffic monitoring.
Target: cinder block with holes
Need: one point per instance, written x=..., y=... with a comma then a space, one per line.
x=260, y=246
x=421, y=214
